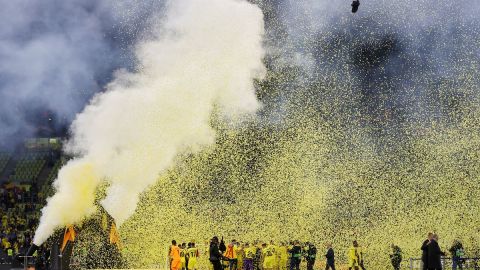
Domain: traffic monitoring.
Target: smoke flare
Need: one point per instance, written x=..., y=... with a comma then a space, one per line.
x=205, y=56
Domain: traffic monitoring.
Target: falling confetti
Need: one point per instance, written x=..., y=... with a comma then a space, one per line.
x=369, y=131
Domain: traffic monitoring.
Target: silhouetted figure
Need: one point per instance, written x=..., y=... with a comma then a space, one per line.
x=434, y=254
x=311, y=256
x=355, y=5
x=215, y=254
x=330, y=257
x=424, y=249
x=296, y=256
x=458, y=253
x=396, y=257
x=222, y=247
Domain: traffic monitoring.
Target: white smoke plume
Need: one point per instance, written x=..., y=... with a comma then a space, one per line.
x=205, y=56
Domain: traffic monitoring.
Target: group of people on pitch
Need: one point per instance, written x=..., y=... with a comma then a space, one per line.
x=265, y=256
x=259, y=256
x=183, y=256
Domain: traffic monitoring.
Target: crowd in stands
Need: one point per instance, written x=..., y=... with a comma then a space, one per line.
x=4, y=158
x=19, y=214
x=22, y=195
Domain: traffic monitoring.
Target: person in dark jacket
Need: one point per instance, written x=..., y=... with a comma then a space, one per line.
x=296, y=256
x=396, y=257
x=425, y=251
x=222, y=247
x=215, y=254
x=311, y=256
x=257, y=259
x=434, y=260
x=330, y=257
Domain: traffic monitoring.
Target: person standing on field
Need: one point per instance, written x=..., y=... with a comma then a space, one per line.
x=330, y=264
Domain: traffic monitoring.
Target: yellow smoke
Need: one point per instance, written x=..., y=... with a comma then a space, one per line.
x=74, y=199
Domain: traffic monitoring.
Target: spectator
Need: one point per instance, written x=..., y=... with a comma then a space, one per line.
x=9, y=251
x=330, y=257
x=12, y=236
x=396, y=257
x=424, y=249
x=457, y=253
x=434, y=254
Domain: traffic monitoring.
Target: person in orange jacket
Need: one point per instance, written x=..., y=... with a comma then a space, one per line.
x=175, y=260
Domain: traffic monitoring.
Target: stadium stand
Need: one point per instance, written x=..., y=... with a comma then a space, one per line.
x=47, y=189
x=4, y=158
x=27, y=169
x=26, y=181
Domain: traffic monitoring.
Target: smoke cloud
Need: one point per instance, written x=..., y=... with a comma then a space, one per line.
x=205, y=56
x=56, y=55
x=394, y=53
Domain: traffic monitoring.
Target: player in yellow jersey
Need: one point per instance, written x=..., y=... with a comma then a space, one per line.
x=268, y=257
x=283, y=257
x=257, y=255
x=353, y=257
x=192, y=256
x=183, y=254
x=240, y=255
x=249, y=254
x=274, y=249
